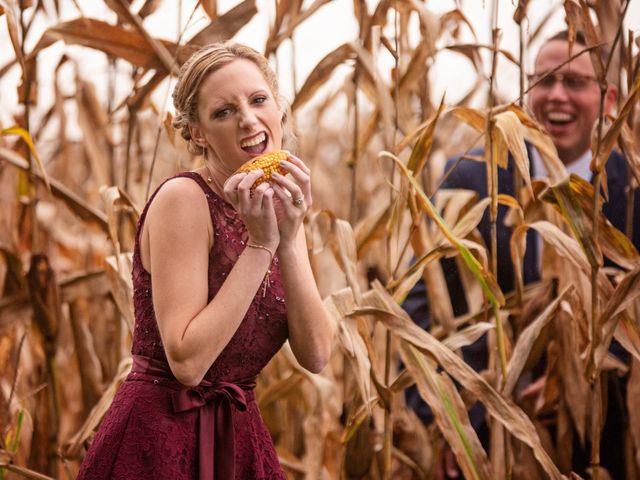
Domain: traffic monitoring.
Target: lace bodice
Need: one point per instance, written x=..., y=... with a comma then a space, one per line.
x=264, y=328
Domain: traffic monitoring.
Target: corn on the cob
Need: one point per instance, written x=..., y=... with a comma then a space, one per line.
x=268, y=162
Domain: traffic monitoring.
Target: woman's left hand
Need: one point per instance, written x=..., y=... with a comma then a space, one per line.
x=294, y=198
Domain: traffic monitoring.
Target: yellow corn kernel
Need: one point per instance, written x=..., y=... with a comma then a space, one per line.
x=268, y=162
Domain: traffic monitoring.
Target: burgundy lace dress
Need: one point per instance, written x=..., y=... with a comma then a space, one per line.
x=157, y=428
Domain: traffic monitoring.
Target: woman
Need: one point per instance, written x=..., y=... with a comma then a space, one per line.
x=221, y=280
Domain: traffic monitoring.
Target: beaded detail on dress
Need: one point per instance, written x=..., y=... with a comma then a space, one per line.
x=264, y=328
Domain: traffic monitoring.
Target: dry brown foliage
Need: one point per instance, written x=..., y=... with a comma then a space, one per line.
x=69, y=208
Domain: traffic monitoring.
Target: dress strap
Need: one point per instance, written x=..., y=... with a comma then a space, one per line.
x=214, y=402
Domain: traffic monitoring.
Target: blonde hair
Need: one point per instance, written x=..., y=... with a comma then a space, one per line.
x=193, y=72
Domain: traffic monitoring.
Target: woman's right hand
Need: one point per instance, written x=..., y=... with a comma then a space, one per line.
x=256, y=209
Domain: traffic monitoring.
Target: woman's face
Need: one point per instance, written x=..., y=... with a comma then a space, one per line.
x=238, y=115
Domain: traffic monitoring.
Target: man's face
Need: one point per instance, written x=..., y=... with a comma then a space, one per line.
x=567, y=103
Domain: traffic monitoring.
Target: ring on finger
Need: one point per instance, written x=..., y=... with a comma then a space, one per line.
x=298, y=201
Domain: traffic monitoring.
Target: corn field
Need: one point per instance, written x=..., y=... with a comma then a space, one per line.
x=83, y=153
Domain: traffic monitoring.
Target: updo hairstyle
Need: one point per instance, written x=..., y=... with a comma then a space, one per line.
x=192, y=73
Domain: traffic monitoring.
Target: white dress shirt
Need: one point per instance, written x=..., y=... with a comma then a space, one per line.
x=580, y=167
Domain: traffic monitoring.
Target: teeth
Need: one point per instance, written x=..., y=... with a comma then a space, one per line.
x=254, y=141
x=559, y=117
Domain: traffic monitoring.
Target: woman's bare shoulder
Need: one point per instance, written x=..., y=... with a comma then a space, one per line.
x=179, y=190
x=180, y=202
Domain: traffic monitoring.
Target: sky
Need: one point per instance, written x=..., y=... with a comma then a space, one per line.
x=328, y=28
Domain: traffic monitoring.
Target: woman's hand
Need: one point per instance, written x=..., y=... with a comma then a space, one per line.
x=293, y=198
x=256, y=209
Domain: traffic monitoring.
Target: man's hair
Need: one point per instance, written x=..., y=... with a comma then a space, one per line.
x=564, y=35
x=580, y=39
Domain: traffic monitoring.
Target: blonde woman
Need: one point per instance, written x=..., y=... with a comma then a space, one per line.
x=221, y=280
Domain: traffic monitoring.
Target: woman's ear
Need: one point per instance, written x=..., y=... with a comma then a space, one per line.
x=197, y=136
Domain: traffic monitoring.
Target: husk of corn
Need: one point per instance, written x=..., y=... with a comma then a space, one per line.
x=268, y=162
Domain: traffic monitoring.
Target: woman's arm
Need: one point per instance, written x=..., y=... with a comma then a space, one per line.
x=310, y=328
x=179, y=234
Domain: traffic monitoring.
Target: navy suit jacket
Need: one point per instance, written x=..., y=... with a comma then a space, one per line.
x=471, y=175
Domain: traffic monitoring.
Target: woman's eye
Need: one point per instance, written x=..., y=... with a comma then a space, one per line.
x=223, y=112
x=260, y=99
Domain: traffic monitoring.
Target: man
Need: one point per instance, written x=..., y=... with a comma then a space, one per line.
x=566, y=103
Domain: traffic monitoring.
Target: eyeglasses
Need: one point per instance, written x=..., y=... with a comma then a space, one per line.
x=572, y=82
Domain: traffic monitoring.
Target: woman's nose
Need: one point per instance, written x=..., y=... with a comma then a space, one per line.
x=247, y=118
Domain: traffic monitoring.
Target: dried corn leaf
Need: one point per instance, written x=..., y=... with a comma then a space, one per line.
x=339, y=305
x=633, y=393
x=382, y=306
x=45, y=297
x=119, y=275
x=429, y=25
x=357, y=418
x=453, y=204
x=295, y=19
x=628, y=334
x=540, y=27
x=457, y=16
x=280, y=389
x=115, y=41
x=422, y=148
x=148, y=7
x=88, y=361
x=615, y=244
x=382, y=98
x=117, y=201
x=574, y=387
x=563, y=244
x=94, y=124
x=77, y=205
x=609, y=20
x=467, y=48
x=371, y=228
x=486, y=280
x=593, y=38
x=471, y=219
x=449, y=412
x=121, y=7
x=467, y=336
x=318, y=76
x=343, y=244
x=510, y=128
x=416, y=71
x=611, y=137
x=630, y=149
x=13, y=280
x=521, y=11
x=222, y=28
x=74, y=446
x=472, y=117
x=544, y=145
x=24, y=472
x=26, y=137
x=573, y=211
x=405, y=282
x=14, y=34
x=624, y=296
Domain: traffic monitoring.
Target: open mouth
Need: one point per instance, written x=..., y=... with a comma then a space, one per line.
x=255, y=145
x=559, y=118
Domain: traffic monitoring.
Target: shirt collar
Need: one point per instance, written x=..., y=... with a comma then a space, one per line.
x=580, y=166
